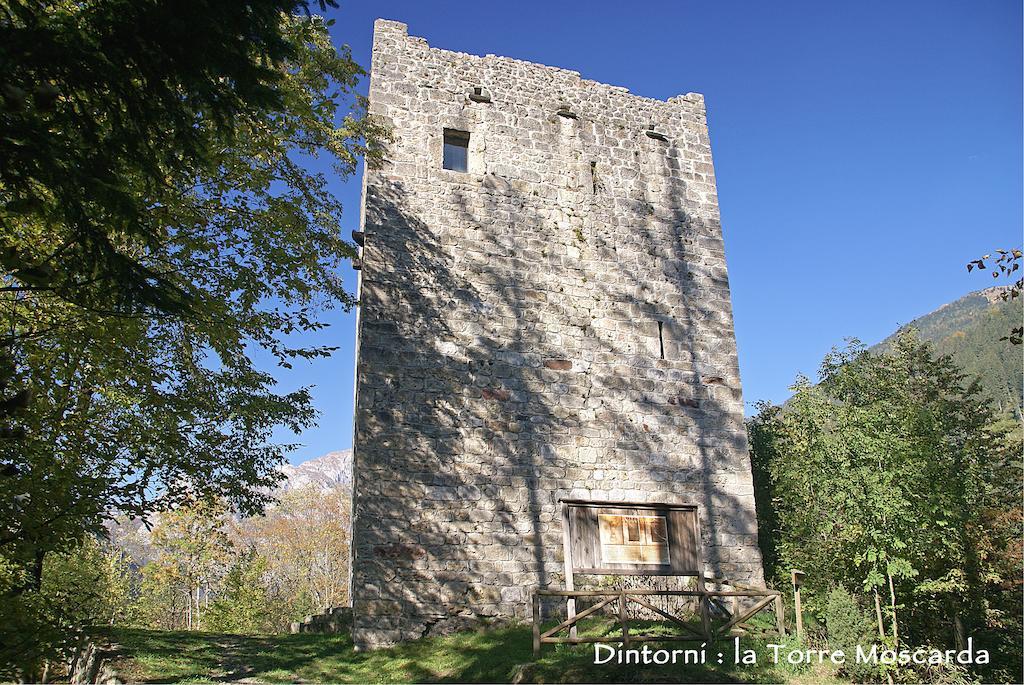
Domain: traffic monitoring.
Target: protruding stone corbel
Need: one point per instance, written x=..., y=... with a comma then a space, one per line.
x=657, y=135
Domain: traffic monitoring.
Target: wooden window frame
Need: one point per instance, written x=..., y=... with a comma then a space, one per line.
x=582, y=539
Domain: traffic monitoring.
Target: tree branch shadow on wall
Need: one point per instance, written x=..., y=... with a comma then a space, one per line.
x=474, y=426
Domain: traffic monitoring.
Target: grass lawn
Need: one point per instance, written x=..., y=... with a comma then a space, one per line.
x=488, y=656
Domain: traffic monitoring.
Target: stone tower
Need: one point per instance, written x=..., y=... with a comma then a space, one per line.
x=544, y=314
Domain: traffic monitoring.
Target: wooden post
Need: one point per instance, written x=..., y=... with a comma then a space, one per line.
x=780, y=616
x=536, y=625
x=705, y=609
x=570, y=602
x=798, y=579
x=703, y=599
x=623, y=618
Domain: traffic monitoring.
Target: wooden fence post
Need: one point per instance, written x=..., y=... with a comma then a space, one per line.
x=570, y=602
x=536, y=625
x=798, y=579
x=780, y=615
x=705, y=607
x=624, y=618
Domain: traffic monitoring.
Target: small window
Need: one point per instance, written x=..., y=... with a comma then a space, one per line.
x=456, y=150
x=479, y=94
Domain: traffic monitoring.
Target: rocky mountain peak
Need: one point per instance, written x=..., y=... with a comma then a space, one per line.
x=331, y=470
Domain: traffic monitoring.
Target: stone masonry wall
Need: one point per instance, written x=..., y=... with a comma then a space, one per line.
x=509, y=351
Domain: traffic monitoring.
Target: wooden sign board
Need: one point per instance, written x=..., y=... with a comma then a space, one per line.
x=623, y=538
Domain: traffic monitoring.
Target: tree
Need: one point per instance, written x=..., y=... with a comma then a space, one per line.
x=193, y=555
x=87, y=586
x=880, y=476
x=849, y=626
x=142, y=94
x=243, y=604
x=304, y=541
x=156, y=227
x=203, y=569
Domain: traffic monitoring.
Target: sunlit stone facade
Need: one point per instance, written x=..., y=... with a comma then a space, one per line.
x=551, y=322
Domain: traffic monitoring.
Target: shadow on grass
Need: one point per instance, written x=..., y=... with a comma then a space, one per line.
x=487, y=656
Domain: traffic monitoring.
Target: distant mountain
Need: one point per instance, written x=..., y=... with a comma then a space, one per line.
x=968, y=329
x=331, y=470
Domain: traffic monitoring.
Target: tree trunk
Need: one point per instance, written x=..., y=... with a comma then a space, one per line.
x=37, y=570
x=881, y=626
x=959, y=634
x=892, y=602
x=878, y=615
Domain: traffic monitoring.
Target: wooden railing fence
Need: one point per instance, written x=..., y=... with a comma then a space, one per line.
x=737, y=622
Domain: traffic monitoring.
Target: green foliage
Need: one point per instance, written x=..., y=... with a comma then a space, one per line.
x=243, y=605
x=155, y=231
x=883, y=482
x=88, y=585
x=144, y=95
x=850, y=624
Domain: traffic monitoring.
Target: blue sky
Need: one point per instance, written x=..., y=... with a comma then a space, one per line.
x=864, y=152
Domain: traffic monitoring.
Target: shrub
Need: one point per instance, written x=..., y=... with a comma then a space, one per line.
x=849, y=624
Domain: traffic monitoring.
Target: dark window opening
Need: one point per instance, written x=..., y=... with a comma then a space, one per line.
x=456, y=150
x=593, y=177
x=661, y=337
x=479, y=94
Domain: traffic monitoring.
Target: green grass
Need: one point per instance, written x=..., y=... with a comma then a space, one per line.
x=486, y=656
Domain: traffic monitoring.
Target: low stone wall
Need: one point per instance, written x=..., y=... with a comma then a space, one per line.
x=332, y=620
x=93, y=664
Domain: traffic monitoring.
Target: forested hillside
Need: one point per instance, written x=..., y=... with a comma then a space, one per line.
x=969, y=329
